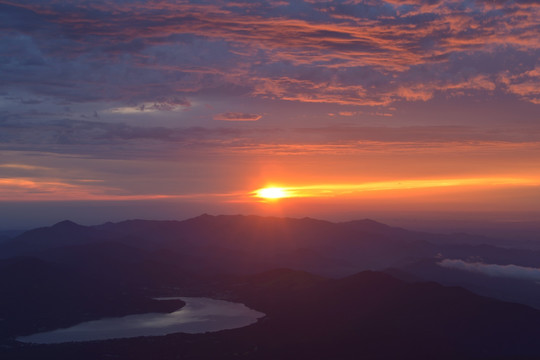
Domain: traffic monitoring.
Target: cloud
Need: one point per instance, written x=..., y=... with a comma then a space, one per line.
x=160, y=104
x=21, y=189
x=507, y=271
x=236, y=116
x=23, y=167
x=39, y=189
x=350, y=53
x=525, y=85
x=117, y=140
x=168, y=104
x=121, y=140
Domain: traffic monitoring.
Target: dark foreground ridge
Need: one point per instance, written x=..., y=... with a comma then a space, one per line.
x=38, y=296
x=369, y=315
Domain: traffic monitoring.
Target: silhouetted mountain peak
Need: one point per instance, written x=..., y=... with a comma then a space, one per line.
x=285, y=278
x=240, y=217
x=369, y=224
x=67, y=224
x=373, y=280
x=205, y=216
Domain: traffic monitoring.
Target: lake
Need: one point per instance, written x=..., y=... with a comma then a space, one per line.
x=199, y=315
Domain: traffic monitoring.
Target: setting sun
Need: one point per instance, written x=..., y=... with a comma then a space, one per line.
x=404, y=186
x=272, y=193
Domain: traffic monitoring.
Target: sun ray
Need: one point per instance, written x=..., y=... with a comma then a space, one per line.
x=334, y=190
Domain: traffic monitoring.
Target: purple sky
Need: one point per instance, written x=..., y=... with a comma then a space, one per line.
x=192, y=105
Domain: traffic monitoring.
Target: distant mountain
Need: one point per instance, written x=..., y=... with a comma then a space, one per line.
x=519, y=290
x=160, y=255
x=11, y=233
x=65, y=233
x=119, y=262
x=6, y=235
x=240, y=244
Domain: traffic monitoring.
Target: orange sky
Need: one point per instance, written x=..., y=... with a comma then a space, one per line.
x=348, y=106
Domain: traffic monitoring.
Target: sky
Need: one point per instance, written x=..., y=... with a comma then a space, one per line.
x=117, y=109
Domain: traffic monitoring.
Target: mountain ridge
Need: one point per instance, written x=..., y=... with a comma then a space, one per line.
x=228, y=245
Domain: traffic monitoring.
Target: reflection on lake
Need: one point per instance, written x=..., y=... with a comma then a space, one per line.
x=199, y=315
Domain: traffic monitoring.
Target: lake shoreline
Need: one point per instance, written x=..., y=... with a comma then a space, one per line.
x=198, y=315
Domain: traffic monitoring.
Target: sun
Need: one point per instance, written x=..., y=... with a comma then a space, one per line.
x=272, y=193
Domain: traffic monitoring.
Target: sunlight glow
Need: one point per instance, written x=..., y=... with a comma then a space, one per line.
x=334, y=190
x=272, y=193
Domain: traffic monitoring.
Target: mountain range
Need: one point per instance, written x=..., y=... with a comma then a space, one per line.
x=358, y=289
x=266, y=242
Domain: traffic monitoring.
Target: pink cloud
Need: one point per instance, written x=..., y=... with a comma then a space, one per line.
x=393, y=42
x=525, y=85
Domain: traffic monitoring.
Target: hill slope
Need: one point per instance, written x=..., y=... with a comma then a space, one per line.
x=369, y=315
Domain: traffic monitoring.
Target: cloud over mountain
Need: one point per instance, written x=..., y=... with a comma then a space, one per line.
x=510, y=271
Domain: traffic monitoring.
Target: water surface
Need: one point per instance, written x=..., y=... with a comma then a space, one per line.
x=199, y=315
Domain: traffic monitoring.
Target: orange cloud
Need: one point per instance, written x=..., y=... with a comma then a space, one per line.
x=34, y=189
x=426, y=33
x=22, y=189
x=525, y=85
x=313, y=92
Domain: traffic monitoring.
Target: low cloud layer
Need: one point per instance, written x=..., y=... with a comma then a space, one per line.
x=71, y=136
x=507, y=271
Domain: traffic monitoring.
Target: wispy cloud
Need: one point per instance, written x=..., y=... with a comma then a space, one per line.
x=508, y=271
x=22, y=167
x=236, y=116
x=41, y=189
x=99, y=138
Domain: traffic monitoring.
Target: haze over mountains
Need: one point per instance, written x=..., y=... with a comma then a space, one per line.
x=355, y=245
x=61, y=275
